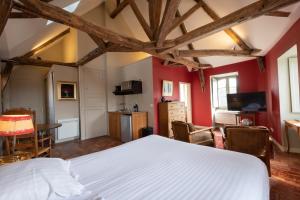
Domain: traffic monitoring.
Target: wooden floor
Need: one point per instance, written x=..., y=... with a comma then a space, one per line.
x=285, y=180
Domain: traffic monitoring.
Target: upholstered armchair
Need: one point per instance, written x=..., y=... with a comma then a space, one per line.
x=187, y=132
x=251, y=140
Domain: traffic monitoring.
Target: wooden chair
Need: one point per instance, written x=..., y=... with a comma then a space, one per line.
x=250, y=140
x=30, y=142
x=187, y=132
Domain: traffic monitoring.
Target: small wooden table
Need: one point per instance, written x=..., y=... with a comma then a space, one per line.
x=44, y=128
x=291, y=124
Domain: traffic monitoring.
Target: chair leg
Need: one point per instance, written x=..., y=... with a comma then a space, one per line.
x=7, y=146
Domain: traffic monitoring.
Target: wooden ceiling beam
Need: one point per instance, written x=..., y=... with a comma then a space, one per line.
x=244, y=14
x=186, y=15
x=215, y=52
x=141, y=19
x=119, y=8
x=47, y=43
x=278, y=14
x=37, y=62
x=231, y=33
x=184, y=31
x=100, y=43
x=91, y=56
x=5, y=9
x=154, y=15
x=5, y=75
x=61, y=16
x=169, y=15
x=196, y=59
x=21, y=15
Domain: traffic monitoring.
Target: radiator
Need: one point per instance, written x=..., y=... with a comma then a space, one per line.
x=68, y=131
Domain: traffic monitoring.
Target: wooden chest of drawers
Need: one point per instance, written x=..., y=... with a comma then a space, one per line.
x=168, y=112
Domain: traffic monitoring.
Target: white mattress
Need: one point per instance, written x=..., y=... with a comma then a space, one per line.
x=158, y=168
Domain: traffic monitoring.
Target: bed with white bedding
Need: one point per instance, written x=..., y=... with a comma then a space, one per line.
x=159, y=168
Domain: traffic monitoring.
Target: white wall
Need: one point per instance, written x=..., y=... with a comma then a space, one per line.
x=285, y=99
x=26, y=88
x=141, y=70
x=65, y=109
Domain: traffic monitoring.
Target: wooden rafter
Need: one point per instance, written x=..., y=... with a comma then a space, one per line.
x=22, y=15
x=231, y=33
x=5, y=8
x=168, y=17
x=59, y=15
x=119, y=8
x=184, y=31
x=91, y=56
x=141, y=19
x=244, y=14
x=154, y=15
x=191, y=47
x=100, y=43
x=47, y=43
x=215, y=52
x=37, y=62
x=278, y=14
x=5, y=75
x=186, y=15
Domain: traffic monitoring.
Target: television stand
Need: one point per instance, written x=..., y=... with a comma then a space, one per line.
x=242, y=115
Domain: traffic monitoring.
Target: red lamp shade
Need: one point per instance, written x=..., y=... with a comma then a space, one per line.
x=12, y=125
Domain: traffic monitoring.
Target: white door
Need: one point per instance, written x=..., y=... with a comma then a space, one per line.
x=185, y=96
x=93, y=108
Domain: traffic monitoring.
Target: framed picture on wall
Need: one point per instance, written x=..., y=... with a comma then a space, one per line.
x=167, y=88
x=66, y=90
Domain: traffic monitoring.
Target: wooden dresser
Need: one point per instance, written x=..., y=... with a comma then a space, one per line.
x=168, y=112
x=139, y=120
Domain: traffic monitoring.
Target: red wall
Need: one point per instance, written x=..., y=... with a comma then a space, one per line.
x=291, y=38
x=162, y=72
x=250, y=80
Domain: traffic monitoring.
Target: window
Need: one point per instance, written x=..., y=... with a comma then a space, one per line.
x=221, y=86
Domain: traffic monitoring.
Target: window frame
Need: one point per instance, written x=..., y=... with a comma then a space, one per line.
x=217, y=78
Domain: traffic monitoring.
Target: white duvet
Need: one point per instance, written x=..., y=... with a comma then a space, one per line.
x=159, y=168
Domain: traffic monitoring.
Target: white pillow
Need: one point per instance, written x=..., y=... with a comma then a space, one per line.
x=38, y=179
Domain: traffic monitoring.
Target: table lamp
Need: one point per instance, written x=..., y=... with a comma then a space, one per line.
x=13, y=125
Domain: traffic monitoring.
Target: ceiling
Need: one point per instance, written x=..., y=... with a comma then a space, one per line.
x=21, y=35
x=261, y=33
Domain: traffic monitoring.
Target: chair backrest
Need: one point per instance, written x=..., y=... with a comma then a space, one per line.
x=181, y=131
x=24, y=111
x=250, y=140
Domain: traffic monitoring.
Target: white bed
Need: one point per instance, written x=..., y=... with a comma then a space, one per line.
x=158, y=168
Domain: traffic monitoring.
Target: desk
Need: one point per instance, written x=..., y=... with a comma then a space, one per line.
x=291, y=124
x=44, y=128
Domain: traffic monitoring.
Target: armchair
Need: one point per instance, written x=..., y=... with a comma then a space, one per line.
x=187, y=132
x=250, y=140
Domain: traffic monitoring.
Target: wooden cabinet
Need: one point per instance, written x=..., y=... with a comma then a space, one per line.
x=168, y=112
x=139, y=120
x=115, y=125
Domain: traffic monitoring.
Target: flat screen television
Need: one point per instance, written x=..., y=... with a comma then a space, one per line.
x=247, y=102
